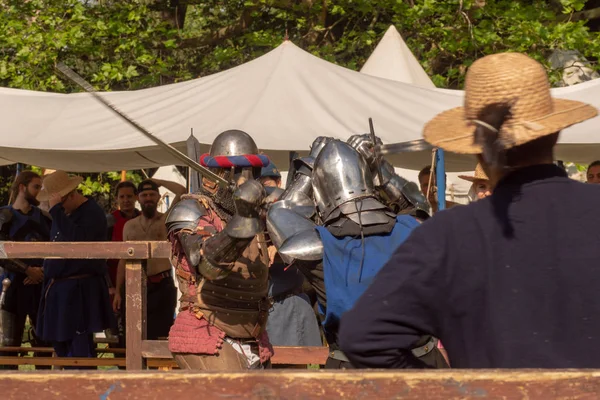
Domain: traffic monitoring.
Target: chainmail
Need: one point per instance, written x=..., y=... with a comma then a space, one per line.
x=221, y=202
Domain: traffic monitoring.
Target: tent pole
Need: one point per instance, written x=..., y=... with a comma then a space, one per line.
x=123, y=175
x=440, y=175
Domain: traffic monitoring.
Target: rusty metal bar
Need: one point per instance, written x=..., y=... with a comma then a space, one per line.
x=135, y=310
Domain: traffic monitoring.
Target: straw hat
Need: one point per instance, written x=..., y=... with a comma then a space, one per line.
x=478, y=176
x=58, y=182
x=505, y=78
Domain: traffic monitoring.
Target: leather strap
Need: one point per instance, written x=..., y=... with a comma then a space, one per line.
x=417, y=352
x=426, y=348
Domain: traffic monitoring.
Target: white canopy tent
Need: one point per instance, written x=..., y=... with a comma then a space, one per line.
x=168, y=173
x=284, y=99
x=393, y=60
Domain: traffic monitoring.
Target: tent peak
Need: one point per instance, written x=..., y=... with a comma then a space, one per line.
x=392, y=59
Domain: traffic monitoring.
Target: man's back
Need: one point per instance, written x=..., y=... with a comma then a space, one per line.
x=530, y=279
x=507, y=282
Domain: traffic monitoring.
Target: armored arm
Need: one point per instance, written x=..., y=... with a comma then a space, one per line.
x=300, y=191
x=397, y=192
x=293, y=235
x=212, y=253
x=289, y=220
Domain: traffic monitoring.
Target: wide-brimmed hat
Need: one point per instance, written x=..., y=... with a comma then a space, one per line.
x=479, y=175
x=510, y=78
x=58, y=182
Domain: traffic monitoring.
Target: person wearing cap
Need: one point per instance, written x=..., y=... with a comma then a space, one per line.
x=509, y=281
x=75, y=303
x=270, y=176
x=292, y=320
x=161, y=291
x=480, y=188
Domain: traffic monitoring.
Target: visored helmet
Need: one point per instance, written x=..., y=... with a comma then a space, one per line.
x=340, y=175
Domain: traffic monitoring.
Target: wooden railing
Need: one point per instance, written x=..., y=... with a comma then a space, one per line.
x=283, y=384
x=138, y=349
x=293, y=384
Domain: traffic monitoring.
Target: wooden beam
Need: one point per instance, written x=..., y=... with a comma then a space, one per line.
x=64, y=361
x=135, y=309
x=159, y=349
x=416, y=385
x=98, y=250
x=8, y=349
x=300, y=355
x=82, y=362
x=160, y=249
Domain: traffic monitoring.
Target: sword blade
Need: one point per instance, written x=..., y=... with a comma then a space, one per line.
x=77, y=79
x=193, y=150
x=404, y=147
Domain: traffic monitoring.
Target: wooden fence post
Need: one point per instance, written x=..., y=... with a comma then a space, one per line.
x=135, y=309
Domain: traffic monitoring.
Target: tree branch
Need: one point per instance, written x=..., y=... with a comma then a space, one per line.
x=222, y=34
x=594, y=13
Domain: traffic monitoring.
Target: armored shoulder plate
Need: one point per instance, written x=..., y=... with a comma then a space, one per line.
x=185, y=215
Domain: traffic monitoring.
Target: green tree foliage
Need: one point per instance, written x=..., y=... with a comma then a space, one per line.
x=133, y=44
x=130, y=44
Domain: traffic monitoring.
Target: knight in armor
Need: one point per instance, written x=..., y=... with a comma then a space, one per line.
x=342, y=243
x=292, y=320
x=20, y=221
x=222, y=263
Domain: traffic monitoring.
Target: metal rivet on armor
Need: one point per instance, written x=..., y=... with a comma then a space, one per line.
x=130, y=252
x=226, y=294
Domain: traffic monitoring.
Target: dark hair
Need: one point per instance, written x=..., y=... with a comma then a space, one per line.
x=536, y=149
x=594, y=164
x=424, y=171
x=24, y=178
x=427, y=171
x=125, y=184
